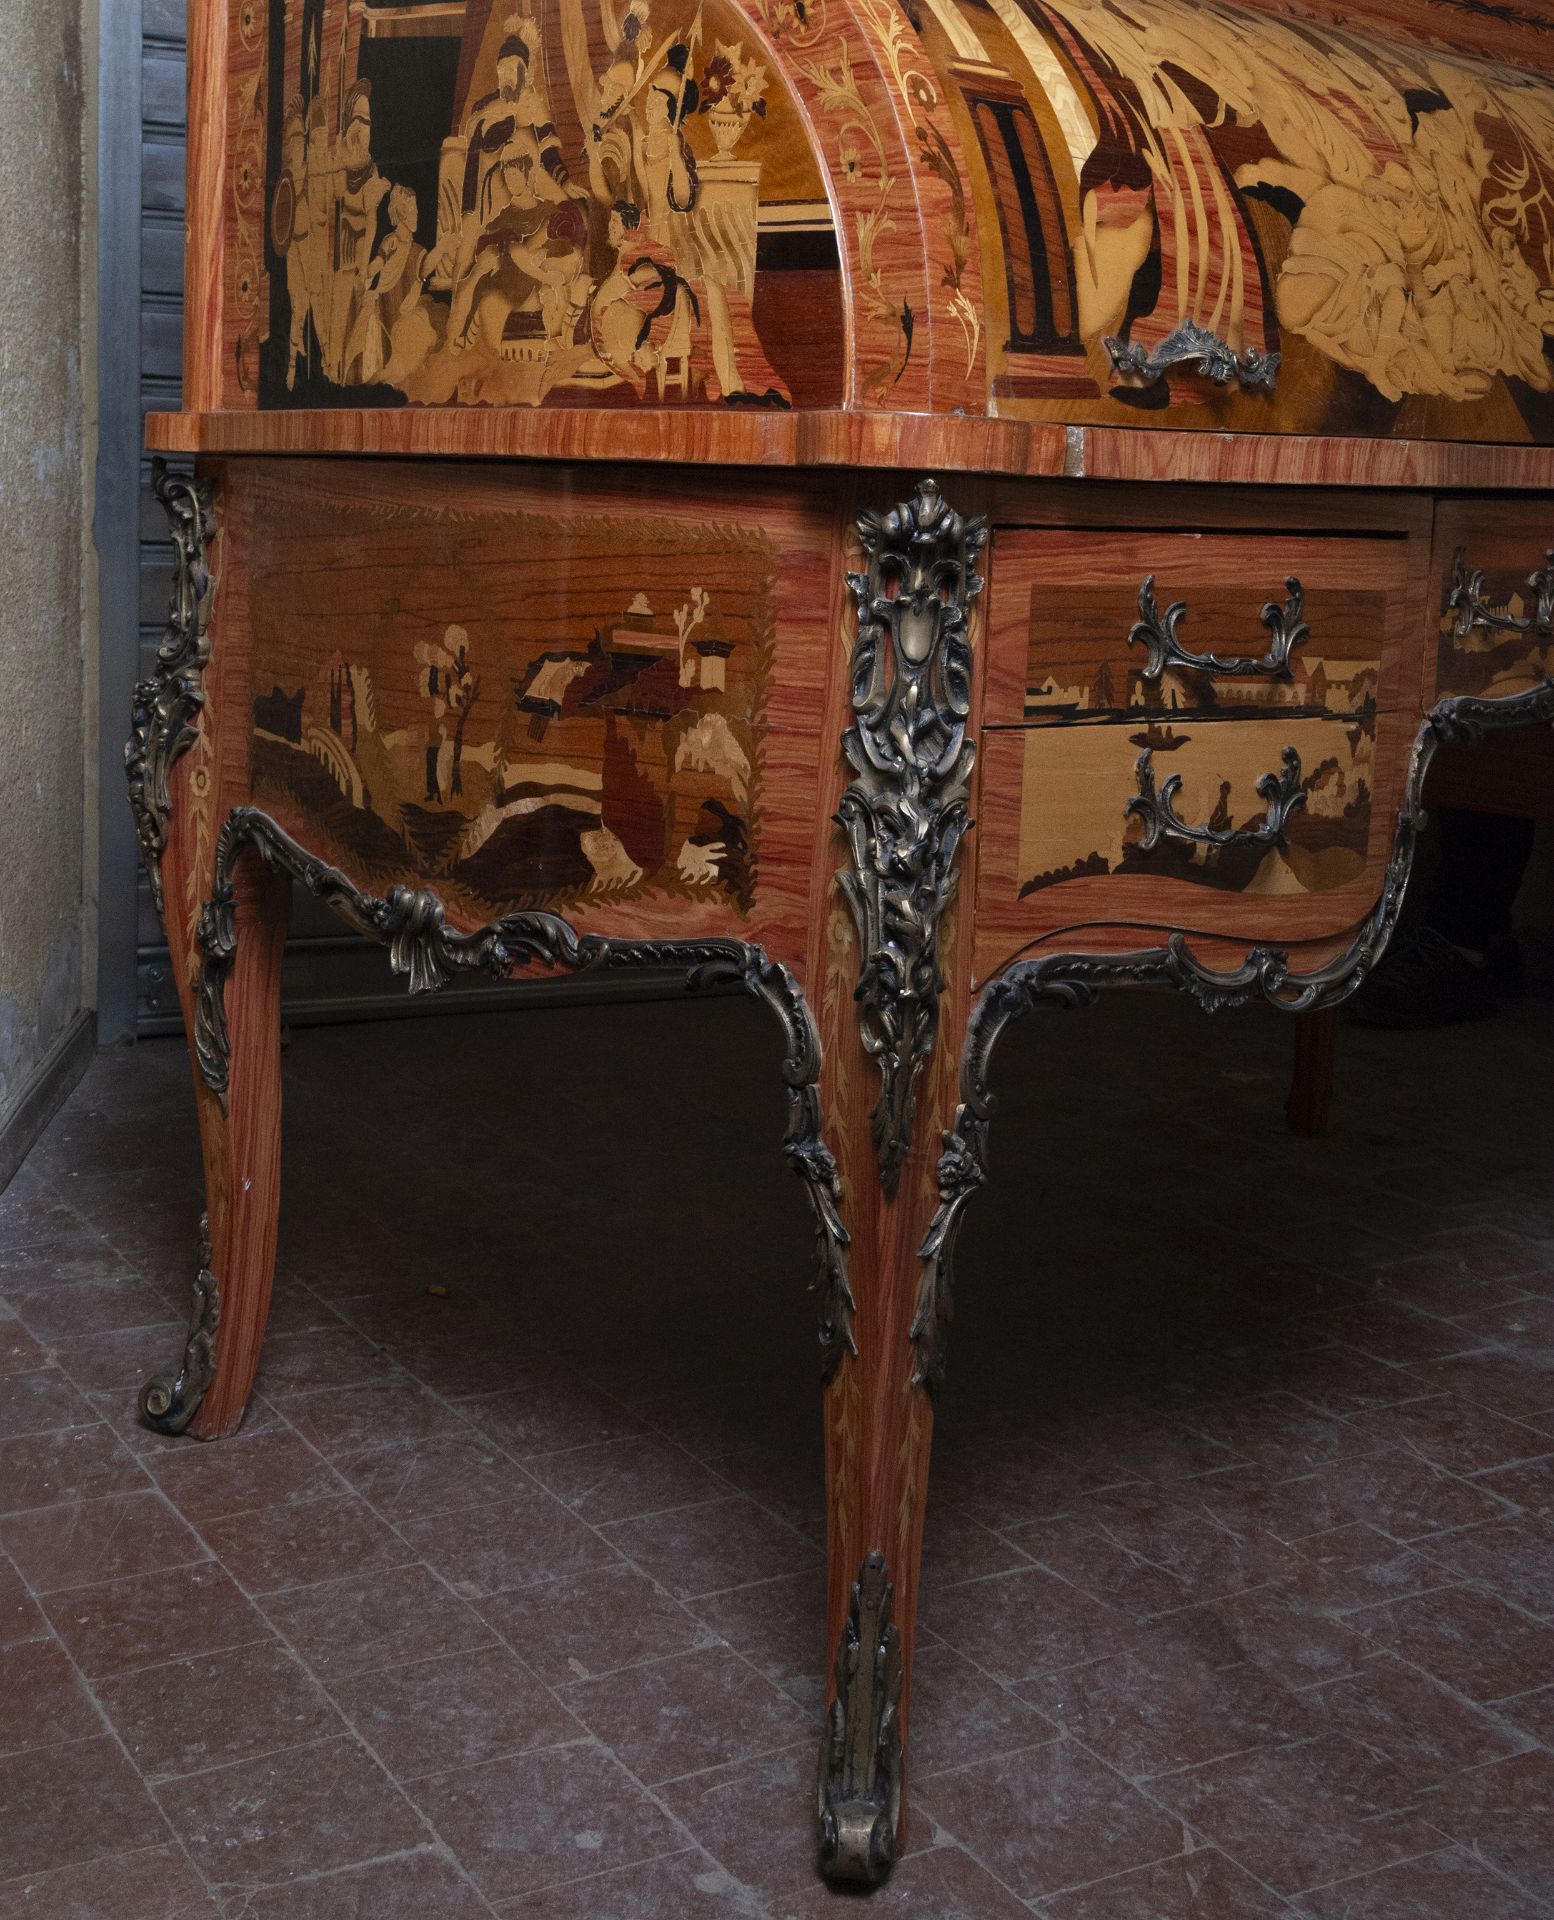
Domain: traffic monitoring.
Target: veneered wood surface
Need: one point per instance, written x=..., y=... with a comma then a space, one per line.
x=1360, y=191
x=372, y=545
x=1023, y=449
x=1507, y=542
x=1067, y=601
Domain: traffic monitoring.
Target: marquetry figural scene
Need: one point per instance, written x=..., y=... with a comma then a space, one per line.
x=1140, y=212
x=459, y=711
x=603, y=202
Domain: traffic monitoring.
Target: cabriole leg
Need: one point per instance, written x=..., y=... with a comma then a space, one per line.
x=241, y=935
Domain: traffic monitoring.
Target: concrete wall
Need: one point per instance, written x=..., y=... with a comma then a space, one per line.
x=47, y=576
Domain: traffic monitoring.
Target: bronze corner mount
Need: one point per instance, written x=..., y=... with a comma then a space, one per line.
x=908, y=805
x=167, y=704
x=860, y=1749
x=168, y=1402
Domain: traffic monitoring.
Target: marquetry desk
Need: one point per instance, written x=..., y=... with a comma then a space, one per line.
x=916, y=511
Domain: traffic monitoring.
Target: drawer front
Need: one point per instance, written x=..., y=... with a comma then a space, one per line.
x=1496, y=597
x=1264, y=832
x=1233, y=807
x=1139, y=628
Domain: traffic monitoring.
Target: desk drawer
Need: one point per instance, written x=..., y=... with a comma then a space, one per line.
x=1234, y=806
x=1064, y=604
x=1497, y=628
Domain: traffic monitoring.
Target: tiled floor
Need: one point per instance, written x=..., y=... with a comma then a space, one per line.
x=1240, y=1583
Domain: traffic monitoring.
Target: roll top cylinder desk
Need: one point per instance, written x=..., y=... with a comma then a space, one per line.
x=913, y=508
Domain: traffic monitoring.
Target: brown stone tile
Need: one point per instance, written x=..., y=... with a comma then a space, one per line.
x=1018, y=1625
x=41, y=1700
x=1514, y=1558
x=303, y=1811
x=1164, y=1704
x=296, y=1546
x=397, y=1411
x=1469, y=1639
x=78, y=1801
x=368, y=1620
x=758, y=1819
x=1359, y=1566
x=779, y=1627
x=1279, y=1629
x=215, y=1708
x=1049, y=1818
x=959, y=1715
x=1298, y=1816
x=1400, y=1493
x=19, y=1352
x=1531, y=1713
x=456, y=1711
x=1527, y=1324
x=1392, y=1331
x=1530, y=1485
x=1426, y=1732
x=120, y=1361
x=41, y=1470
x=1449, y=1884
x=789, y=1484
x=153, y=1617
x=956, y=1547
x=1279, y=1431
x=534, y=1819
x=686, y=1713
x=207, y=1482
x=40, y=1402
x=20, y=1617
x=1007, y=1486
x=691, y=1884
x=548, y=1412
x=593, y=1623
x=531, y=1537
x=413, y=1886
x=621, y=1479
x=433, y=1477
x=1500, y=1814
x=724, y=1543
x=1453, y=1433
x=1519, y=1385
x=157, y=1883
x=1147, y=1551
x=939, y=1881
x=71, y=1313
x=317, y=1359
x=86, y=1542
x=1203, y=1885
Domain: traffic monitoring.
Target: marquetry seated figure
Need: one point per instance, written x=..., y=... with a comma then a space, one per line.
x=915, y=511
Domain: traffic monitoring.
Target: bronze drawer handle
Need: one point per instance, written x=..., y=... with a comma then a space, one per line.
x=1466, y=601
x=1282, y=791
x=1158, y=631
x=1195, y=347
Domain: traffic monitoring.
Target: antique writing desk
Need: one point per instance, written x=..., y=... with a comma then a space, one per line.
x=562, y=585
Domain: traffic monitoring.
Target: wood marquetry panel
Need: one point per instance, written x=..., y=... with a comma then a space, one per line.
x=1066, y=602
x=1061, y=858
x=1255, y=806
x=531, y=691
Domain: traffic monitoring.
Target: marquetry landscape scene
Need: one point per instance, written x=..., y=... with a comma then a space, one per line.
x=587, y=202
x=460, y=710
x=1079, y=782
